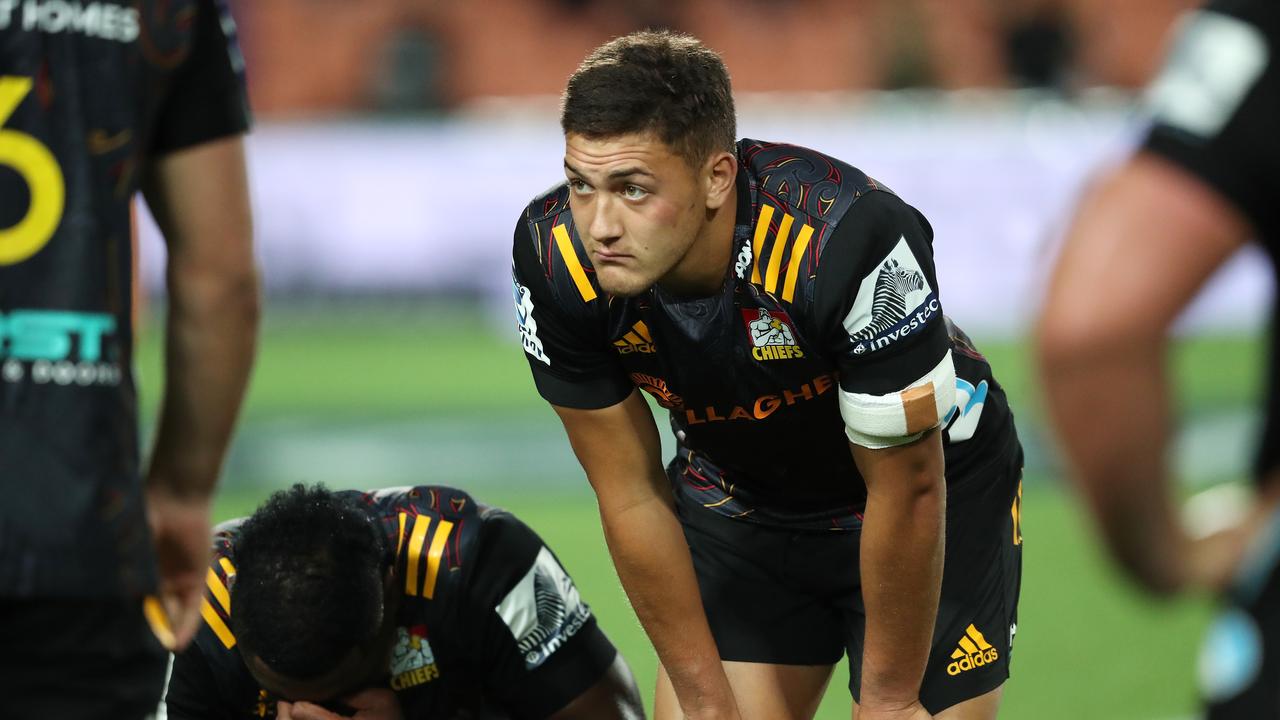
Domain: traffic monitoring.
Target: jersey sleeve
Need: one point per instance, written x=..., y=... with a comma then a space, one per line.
x=193, y=692
x=564, y=337
x=537, y=644
x=877, y=310
x=206, y=98
x=1215, y=105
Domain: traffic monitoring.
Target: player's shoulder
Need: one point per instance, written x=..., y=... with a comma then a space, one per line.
x=546, y=234
x=440, y=501
x=435, y=532
x=799, y=180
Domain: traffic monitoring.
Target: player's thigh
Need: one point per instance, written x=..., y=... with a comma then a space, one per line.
x=764, y=592
x=763, y=691
x=78, y=659
x=983, y=707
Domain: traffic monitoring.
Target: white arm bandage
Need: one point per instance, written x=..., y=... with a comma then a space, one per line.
x=881, y=421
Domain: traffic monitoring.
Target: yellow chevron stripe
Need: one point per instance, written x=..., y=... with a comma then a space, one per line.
x=793, y=266
x=978, y=638
x=775, y=254
x=757, y=243
x=158, y=619
x=718, y=503
x=216, y=624
x=400, y=535
x=416, y=541
x=227, y=567
x=438, y=541
x=219, y=590
x=967, y=645
x=643, y=330
x=571, y=261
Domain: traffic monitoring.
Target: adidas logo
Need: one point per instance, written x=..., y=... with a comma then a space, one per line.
x=973, y=651
x=637, y=340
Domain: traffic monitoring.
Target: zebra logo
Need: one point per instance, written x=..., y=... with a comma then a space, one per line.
x=893, y=301
x=889, y=303
x=543, y=610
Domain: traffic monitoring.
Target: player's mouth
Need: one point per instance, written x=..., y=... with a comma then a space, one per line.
x=607, y=257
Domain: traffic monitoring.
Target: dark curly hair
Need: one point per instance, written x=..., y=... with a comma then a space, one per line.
x=309, y=580
x=661, y=82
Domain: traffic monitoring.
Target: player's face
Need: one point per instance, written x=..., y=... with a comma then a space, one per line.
x=638, y=206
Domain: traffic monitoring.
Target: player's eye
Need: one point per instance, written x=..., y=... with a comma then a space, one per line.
x=578, y=186
x=634, y=192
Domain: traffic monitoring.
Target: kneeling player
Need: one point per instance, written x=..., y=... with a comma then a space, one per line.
x=400, y=603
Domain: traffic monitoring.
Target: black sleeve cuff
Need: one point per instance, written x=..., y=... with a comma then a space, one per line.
x=893, y=371
x=582, y=393
x=570, y=671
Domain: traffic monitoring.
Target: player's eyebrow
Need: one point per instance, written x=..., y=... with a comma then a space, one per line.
x=619, y=173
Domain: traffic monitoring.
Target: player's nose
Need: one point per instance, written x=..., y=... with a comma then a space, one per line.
x=605, y=226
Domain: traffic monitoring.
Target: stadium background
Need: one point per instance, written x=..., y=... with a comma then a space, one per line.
x=396, y=141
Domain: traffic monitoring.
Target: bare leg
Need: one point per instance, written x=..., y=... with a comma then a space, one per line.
x=983, y=707
x=764, y=692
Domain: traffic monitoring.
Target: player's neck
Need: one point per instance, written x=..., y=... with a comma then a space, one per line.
x=703, y=270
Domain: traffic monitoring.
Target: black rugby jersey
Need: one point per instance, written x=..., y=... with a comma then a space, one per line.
x=1216, y=113
x=831, y=288
x=489, y=625
x=89, y=91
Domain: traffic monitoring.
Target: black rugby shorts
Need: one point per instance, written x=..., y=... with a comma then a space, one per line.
x=793, y=597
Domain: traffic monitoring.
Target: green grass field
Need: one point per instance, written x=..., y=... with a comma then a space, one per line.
x=408, y=383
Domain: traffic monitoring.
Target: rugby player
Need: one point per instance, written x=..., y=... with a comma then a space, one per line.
x=97, y=99
x=1147, y=236
x=783, y=307
x=418, y=603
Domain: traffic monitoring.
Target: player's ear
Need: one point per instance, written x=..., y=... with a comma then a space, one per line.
x=720, y=174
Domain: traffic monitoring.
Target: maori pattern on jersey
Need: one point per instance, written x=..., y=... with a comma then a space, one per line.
x=889, y=304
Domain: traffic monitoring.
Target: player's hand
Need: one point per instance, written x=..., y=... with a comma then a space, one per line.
x=370, y=704
x=1214, y=561
x=181, y=533
x=914, y=711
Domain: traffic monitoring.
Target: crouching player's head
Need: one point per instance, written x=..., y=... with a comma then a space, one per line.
x=313, y=607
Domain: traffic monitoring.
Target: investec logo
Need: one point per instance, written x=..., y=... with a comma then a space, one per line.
x=637, y=339
x=973, y=651
x=40, y=345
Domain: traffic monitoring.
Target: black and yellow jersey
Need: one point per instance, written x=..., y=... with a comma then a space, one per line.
x=1215, y=111
x=489, y=623
x=89, y=92
x=829, y=308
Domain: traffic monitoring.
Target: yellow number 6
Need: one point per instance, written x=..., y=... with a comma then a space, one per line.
x=37, y=166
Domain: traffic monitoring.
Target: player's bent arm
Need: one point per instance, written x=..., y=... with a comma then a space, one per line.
x=1143, y=242
x=901, y=564
x=620, y=452
x=200, y=200
x=613, y=697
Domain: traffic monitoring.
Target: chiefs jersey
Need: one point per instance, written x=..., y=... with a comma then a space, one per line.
x=830, y=299
x=89, y=91
x=489, y=624
x=1216, y=111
